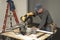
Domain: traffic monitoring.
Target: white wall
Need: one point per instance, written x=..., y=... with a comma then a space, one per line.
x=21, y=9
x=2, y=12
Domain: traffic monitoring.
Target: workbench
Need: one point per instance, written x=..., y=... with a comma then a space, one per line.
x=42, y=36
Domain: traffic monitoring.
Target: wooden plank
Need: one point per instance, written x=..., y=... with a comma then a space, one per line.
x=44, y=36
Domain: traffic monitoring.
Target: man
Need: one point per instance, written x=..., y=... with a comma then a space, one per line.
x=40, y=18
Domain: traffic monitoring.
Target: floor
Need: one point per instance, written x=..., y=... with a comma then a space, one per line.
x=57, y=35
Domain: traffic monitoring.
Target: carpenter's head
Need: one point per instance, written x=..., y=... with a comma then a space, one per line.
x=39, y=8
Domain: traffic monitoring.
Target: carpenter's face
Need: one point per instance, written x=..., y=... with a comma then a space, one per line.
x=40, y=10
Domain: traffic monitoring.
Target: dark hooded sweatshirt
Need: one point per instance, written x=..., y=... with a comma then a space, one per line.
x=40, y=20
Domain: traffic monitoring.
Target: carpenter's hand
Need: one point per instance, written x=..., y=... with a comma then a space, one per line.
x=34, y=28
x=30, y=14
